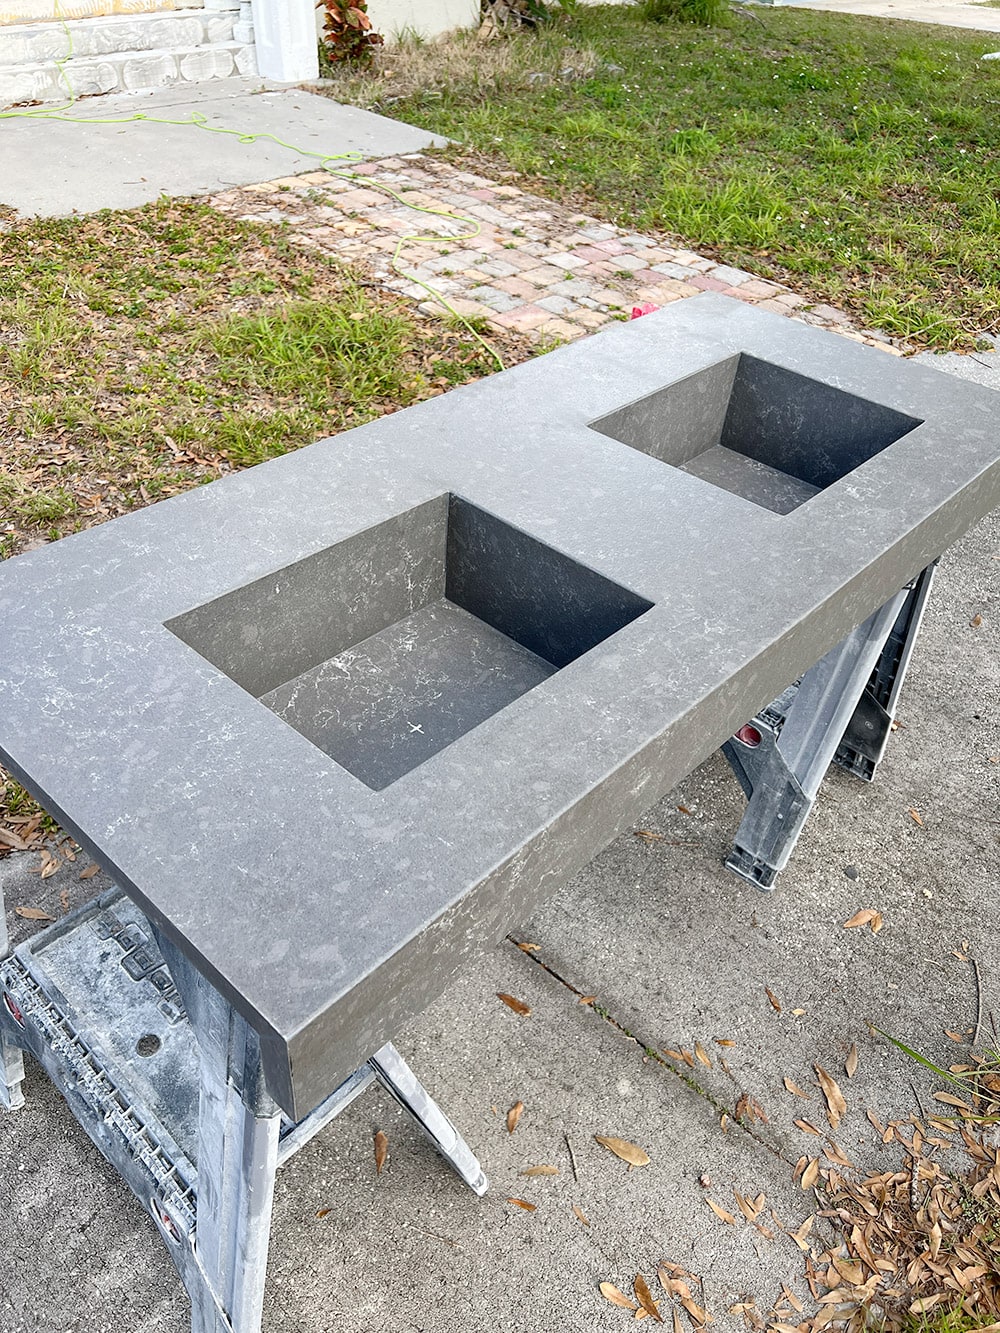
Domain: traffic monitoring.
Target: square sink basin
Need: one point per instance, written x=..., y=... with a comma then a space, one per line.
x=767, y=434
x=390, y=645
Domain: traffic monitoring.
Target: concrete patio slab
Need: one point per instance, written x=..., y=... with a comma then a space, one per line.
x=122, y=151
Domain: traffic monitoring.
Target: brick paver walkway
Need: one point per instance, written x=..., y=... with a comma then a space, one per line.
x=545, y=270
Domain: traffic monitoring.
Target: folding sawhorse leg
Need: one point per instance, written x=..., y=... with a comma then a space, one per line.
x=11, y=1060
x=841, y=710
x=189, y=1125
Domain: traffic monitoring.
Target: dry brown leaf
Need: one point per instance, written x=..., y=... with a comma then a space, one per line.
x=696, y=1314
x=950, y=1100
x=809, y=1128
x=684, y=810
x=628, y=1152
x=647, y=834
x=851, y=1063
x=510, y=1001
x=514, y=1116
x=33, y=914
x=542, y=1170
x=976, y=621
x=645, y=1299
x=925, y=1303
x=64, y=900
x=876, y=923
x=775, y=1002
x=49, y=869
x=581, y=1216
x=723, y=1041
x=875, y=1122
x=674, y=1055
x=749, y=1207
x=90, y=871
x=794, y=1088
x=611, y=1293
x=702, y=1055
x=800, y=1236
x=915, y=816
x=586, y=999
x=10, y=839
x=721, y=1213
x=677, y=1320
x=381, y=1152
x=836, y=1154
x=860, y=918
x=810, y=1174
x=792, y=1299
x=528, y=948
x=324, y=1212
x=523, y=1203
x=836, y=1106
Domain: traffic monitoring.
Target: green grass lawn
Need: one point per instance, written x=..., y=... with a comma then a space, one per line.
x=857, y=159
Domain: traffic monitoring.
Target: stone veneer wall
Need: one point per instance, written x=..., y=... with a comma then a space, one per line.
x=196, y=41
x=40, y=11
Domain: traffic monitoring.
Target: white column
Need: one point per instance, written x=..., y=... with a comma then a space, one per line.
x=285, y=37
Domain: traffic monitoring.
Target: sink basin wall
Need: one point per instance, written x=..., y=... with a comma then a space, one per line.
x=782, y=421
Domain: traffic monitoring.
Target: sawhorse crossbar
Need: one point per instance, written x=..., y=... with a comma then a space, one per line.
x=165, y=1076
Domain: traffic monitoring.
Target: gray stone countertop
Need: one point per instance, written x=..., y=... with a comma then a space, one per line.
x=330, y=909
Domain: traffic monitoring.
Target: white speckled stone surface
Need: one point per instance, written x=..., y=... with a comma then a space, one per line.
x=194, y=794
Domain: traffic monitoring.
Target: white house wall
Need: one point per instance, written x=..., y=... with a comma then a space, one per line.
x=425, y=18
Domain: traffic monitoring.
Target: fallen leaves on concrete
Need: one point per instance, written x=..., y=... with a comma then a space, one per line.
x=836, y=1105
x=866, y=917
x=514, y=1116
x=512, y=1002
x=628, y=1152
x=381, y=1152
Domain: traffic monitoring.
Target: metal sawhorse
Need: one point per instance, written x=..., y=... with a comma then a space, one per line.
x=165, y=1077
x=841, y=711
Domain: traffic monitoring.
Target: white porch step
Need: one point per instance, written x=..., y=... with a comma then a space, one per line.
x=41, y=11
x=124, y=54
x=124, y=71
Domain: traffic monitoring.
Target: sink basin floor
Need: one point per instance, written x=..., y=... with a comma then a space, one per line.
x=393, y=700
x=738, y=473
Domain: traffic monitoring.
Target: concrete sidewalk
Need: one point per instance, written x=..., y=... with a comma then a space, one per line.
x=69, y=162
x=947, y=13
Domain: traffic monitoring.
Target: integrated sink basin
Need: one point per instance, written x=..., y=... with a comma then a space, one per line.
x=770, y=435
x=385, y=648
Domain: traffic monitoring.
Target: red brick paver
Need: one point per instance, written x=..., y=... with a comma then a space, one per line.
x=531, y=265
